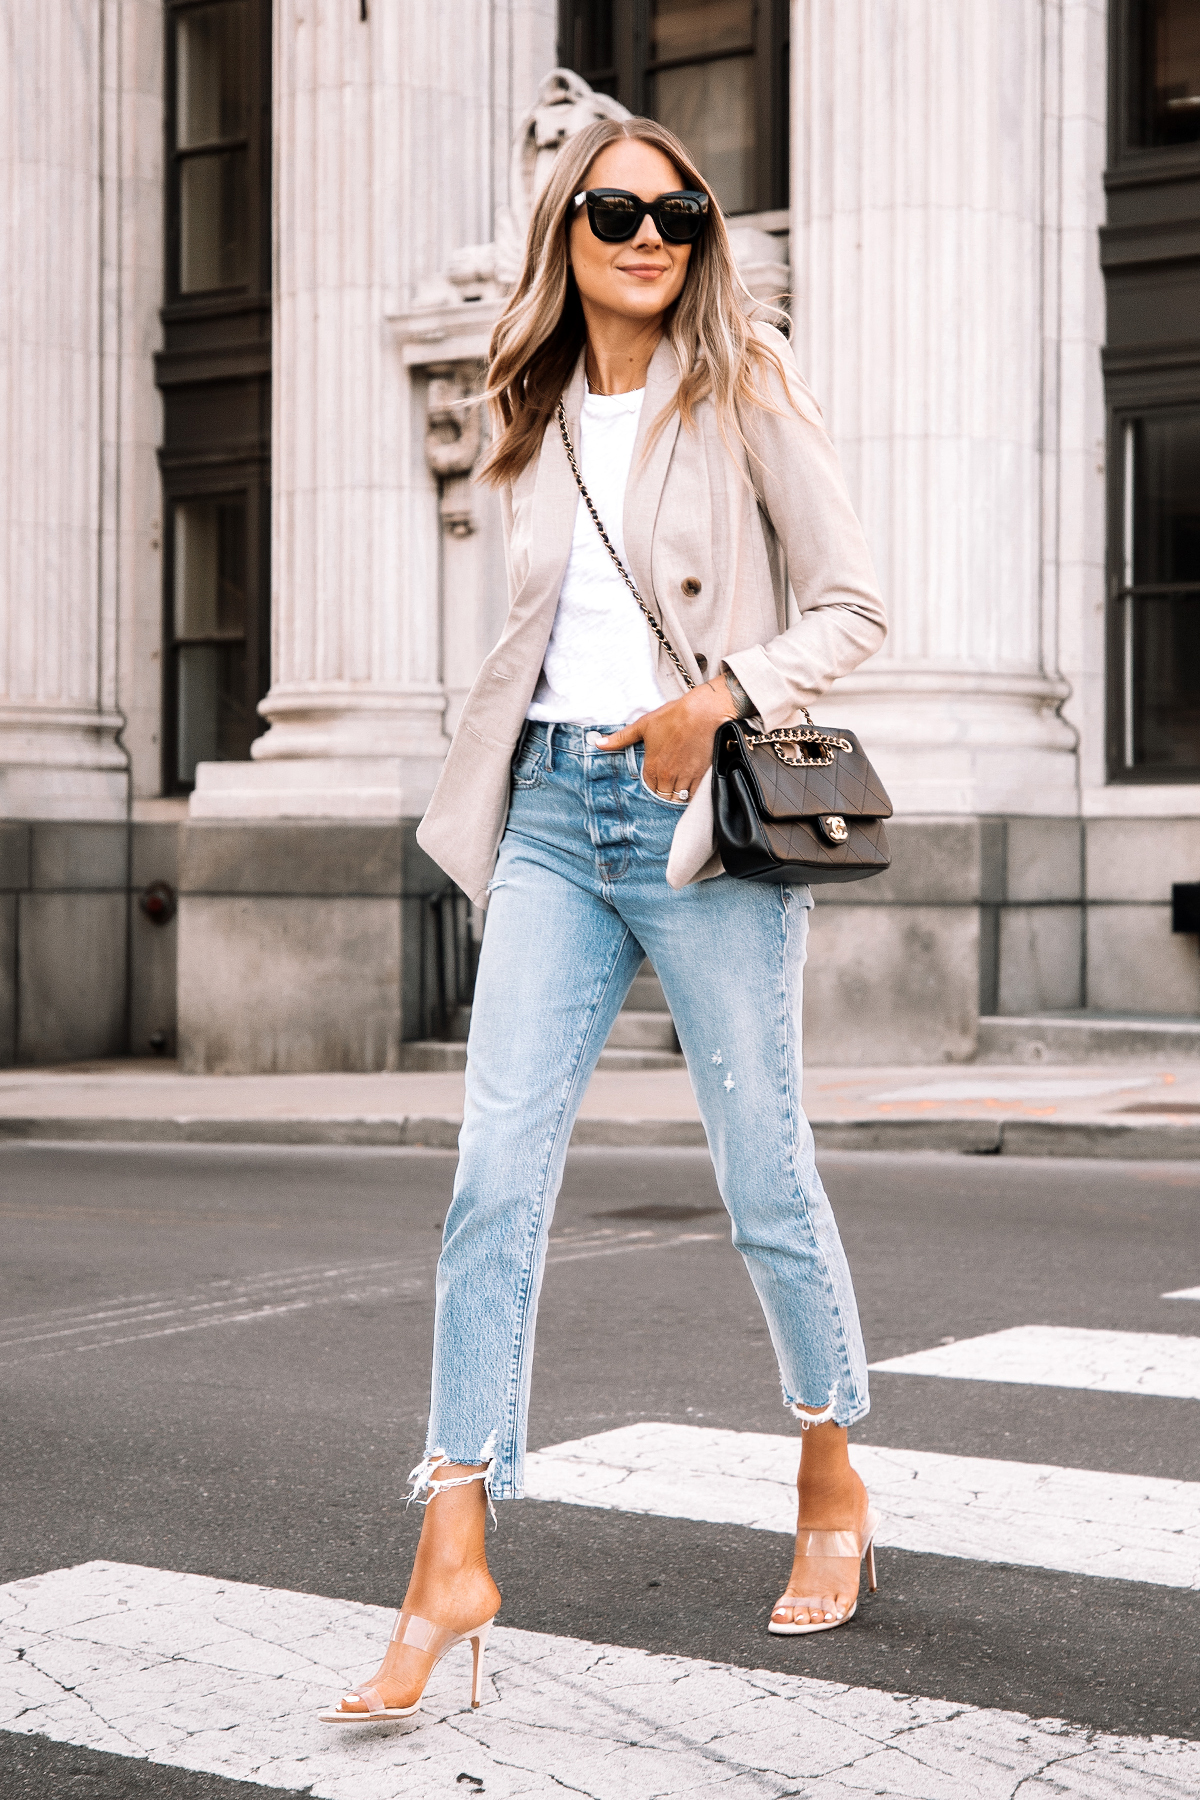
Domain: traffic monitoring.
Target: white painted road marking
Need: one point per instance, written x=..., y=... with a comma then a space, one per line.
x=1130, y=1527
x=1108, y=1362
x=135, y=1318
x=569, y=1249
x=1184, y=1294
x=226, y=1678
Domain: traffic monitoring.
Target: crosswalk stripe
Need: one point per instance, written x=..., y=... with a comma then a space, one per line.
x=223, y=1677
x=1108, y=1362
x=1132, y=1527
x=1183, y=1294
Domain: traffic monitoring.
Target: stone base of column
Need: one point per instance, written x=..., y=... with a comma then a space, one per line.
x=61, y=764
x=332, y=787
x=84, y=972
x=333, y=752
x=962, y=743
x=309, y=946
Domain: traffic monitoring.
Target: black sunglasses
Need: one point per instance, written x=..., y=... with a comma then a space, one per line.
x=614, y=214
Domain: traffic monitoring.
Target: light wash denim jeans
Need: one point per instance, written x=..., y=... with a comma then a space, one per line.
x=578, y=896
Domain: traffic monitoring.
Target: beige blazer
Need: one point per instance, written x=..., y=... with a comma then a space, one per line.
x=712, y=538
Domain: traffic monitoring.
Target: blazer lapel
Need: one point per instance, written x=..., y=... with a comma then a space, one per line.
x=552, y=524
x=643, y=494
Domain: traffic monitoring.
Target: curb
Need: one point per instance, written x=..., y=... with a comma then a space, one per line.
x=1156, y=1141
x=438, y=1133
x=1098, y=1139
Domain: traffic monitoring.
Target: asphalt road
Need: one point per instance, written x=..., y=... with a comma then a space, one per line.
x=274, y=1449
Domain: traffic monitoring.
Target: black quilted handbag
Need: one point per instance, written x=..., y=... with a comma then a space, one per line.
x=800, y=804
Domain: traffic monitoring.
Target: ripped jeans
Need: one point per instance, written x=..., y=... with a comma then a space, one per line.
x=578, y=896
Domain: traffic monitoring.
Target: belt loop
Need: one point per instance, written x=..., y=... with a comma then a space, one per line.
x=550, y=748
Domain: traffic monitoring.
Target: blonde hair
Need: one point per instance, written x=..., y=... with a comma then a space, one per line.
x=538, y=338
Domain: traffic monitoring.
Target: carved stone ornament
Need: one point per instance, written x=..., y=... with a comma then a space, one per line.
x=565, y=104
x=454, y=438
x=453, y=430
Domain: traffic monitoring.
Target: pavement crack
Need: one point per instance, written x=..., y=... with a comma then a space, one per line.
x=75, y=1694
x=635, y=1730
x=1053, y=1762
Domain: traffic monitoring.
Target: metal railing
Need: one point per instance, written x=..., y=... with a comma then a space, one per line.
x=452, y=929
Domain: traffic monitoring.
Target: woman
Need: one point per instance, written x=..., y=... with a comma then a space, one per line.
x=576, y=799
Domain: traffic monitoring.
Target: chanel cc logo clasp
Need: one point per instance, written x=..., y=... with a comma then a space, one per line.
x=834, y=827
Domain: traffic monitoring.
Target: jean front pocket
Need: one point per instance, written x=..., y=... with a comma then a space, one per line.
x=529, y=763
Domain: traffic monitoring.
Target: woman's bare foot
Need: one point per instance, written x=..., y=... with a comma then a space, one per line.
x=450, y=1585
x=822, y=1589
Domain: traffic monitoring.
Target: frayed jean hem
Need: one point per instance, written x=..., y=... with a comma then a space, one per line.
x=844, y=1414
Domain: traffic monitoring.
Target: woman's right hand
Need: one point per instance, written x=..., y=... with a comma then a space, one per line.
x=678, y=738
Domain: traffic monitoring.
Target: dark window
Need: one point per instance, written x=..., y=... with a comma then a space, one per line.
x=215, y=374
x=701, y=85
x=714, y=71
x=209, y=628
x=1164, y=73
x=1150, y=250
x=212, y=151
x=1158, y=611
x=588, y=44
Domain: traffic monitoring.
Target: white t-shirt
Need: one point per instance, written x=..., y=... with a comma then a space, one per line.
x=599, y=663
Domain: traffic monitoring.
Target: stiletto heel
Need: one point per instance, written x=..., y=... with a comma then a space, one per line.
x=478, y=1643
x=831, y=1543
x=366, y=1705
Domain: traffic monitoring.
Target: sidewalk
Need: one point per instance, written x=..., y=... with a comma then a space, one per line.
x=1138, y=1110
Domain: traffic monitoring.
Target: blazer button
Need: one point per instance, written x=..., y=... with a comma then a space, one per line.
x=690, y=586
x=701, y=663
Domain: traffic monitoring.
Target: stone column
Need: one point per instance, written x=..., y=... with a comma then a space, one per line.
x=385, y=144
x=925, y=226
x=59, y=277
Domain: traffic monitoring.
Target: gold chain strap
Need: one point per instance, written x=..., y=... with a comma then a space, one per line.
x=788, y=741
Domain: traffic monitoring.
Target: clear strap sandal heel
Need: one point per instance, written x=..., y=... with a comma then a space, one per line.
x=366, y=1705
x=829, y=1543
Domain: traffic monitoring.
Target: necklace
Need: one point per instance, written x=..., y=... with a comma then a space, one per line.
x=603, y=393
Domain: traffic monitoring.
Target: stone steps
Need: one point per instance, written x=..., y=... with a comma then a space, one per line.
x=1086, y=1037
x=642, y=1037
x=441, y=1056
x=643, y=1031
x=646, y=994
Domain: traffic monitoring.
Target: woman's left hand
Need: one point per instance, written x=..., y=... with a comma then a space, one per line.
x=678, y=739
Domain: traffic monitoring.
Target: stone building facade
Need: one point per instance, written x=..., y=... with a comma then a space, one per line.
x=253, y=253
